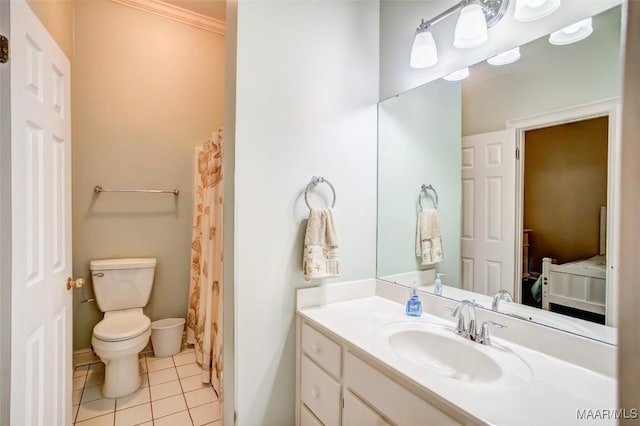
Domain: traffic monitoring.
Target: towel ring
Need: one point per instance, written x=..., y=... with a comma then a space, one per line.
x=315, y=181
x=424, y=189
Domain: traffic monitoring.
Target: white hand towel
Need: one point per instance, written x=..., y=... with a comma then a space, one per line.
x=320, y=258
x=429, y=237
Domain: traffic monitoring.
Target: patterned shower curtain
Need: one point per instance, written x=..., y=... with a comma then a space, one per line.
x=204, y=319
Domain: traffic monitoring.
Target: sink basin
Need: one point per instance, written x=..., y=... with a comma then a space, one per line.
x=436, y=349
x=453, y=358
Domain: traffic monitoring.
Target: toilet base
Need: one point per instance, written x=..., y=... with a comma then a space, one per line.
x=121, y=365
x=121, y=377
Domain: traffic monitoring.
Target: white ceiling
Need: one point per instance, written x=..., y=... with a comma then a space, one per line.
x=212, y=8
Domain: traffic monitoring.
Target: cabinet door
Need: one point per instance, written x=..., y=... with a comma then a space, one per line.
x=357, y=413
x=320, y=393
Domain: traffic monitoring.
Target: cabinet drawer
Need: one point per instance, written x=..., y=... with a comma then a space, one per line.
x=320, y=393
x=357, y=413
x=391, y=399
x=322, y=350
x=307, y=418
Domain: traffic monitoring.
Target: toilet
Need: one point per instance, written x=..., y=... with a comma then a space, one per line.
x=122, y=288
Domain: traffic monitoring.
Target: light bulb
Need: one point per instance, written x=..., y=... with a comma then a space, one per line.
x=424, y=52
x=573, y=33
x=530, y=10
x=504, y=58
x=471, y=29
x=457, y=75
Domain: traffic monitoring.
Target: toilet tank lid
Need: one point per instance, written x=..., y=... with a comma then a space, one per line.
x=128, y=263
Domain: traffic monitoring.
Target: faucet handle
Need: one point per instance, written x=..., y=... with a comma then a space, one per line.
x=484, y=337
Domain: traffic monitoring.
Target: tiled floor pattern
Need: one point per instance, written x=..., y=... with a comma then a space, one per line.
x=171, y=395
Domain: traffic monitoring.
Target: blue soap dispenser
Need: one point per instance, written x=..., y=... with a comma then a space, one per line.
x=437, y=287
x=414, y=305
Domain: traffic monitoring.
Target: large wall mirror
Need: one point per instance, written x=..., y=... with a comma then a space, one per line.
x=512, y=171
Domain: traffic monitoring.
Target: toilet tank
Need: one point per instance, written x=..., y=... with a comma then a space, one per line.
x=122, y=283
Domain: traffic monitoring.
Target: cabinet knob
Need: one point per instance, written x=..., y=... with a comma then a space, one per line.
x=315, y=348
x=315, y=393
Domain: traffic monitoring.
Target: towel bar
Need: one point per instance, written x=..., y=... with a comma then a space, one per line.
x=98, y=189
x=424, y=189
x=316, y=180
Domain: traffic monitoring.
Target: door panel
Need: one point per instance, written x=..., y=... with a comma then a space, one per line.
x=41, y=224
x=488, y=212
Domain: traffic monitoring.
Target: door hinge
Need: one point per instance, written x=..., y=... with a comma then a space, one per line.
x=517, y=153
x=4, y=49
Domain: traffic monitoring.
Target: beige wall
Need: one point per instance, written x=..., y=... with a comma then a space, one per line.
x=57, y=18
x=145, y=91
x=565, y=184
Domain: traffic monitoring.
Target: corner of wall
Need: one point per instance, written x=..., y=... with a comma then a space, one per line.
x=229, y=270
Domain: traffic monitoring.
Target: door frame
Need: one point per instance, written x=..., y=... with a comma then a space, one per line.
x=610, y=107
x=5, y=227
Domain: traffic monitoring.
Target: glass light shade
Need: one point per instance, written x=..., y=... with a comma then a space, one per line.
x=530, y=10
x=471, y=29
x=424, y=52
x=504, y=58
x=572, y=33
x=457, y=75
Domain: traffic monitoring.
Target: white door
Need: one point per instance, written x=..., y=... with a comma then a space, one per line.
x=488, y=212
x=41, y=224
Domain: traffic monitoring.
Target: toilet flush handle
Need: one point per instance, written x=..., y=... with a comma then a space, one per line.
x=77, y=283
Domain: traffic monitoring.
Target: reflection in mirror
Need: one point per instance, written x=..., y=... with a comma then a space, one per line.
x=537, y=228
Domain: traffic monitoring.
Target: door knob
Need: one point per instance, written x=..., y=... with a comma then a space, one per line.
x=78, y=282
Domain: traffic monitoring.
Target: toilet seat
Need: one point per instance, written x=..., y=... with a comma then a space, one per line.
x=121, y=326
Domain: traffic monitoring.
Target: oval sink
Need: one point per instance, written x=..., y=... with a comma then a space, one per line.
x=446, y=356
x=435, y=348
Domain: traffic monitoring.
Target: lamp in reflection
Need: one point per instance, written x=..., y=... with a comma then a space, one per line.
x=573, y=33
x=504, y=58
x=531, y=10
x=457, y=75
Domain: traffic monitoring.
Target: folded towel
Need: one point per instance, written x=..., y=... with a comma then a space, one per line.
x=320, y=257
x=429, y=237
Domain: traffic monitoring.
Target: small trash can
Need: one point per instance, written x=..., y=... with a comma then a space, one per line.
x=166, y=336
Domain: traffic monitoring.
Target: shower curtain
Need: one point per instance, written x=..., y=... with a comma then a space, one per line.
x=204, y=319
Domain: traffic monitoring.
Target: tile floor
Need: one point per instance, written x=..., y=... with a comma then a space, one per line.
x=171, y=395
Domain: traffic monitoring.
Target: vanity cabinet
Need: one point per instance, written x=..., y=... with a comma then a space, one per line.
x=337, y=387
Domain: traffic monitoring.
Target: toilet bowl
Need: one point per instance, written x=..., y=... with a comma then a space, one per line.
x=122, y=288
x=117, y=340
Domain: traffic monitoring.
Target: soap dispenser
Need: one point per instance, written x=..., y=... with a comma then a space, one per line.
x=414, y=305
x=437, y=287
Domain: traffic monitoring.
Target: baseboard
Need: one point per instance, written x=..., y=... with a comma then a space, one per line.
x=87, y=356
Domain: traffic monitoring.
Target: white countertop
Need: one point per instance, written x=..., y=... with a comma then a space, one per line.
x=552, y=395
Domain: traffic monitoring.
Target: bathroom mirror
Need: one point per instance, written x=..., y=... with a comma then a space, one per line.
x=521, y=162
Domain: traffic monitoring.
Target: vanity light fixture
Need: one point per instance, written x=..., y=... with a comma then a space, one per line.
x=470, y=30
x=424, y=52
x=573, y=33
x=531, y=10
x=457, y=75
x=504, y=58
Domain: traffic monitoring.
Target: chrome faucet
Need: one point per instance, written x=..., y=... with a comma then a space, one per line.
x=484, y=338
x=500, y=295
x=467, y=331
